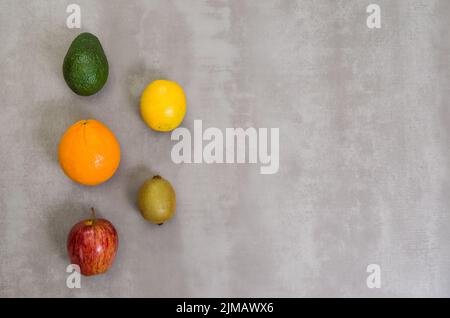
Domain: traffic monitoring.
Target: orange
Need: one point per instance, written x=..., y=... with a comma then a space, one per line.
x=89, y=153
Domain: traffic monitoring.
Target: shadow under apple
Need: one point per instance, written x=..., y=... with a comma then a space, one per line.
x=61, y=218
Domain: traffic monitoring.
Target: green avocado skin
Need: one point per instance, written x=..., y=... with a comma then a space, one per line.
x=85, y=65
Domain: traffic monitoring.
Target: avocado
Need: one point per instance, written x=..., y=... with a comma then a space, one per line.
x=85, y=65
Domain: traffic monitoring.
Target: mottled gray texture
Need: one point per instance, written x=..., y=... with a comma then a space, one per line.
x=364, y=147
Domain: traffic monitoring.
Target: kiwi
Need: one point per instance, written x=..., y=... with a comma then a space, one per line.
x=157, y=200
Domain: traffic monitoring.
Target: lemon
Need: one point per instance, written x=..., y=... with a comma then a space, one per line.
x=163, y=105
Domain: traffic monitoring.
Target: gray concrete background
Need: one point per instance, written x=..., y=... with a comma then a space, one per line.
x=364, y=148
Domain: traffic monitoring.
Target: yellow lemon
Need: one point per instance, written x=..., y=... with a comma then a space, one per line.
x=163, y=105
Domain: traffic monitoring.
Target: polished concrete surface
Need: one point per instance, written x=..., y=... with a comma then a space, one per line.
x=364, y=135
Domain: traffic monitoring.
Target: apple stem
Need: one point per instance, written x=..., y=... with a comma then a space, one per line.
x=93, y=215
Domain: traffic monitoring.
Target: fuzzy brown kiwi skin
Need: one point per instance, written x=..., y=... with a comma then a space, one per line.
x=157, y=200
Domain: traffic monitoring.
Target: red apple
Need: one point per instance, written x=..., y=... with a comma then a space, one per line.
x=92, y=244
